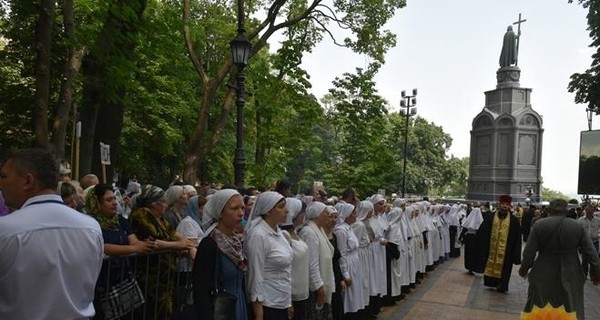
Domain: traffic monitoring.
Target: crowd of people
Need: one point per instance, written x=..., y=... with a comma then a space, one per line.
x=250, y=254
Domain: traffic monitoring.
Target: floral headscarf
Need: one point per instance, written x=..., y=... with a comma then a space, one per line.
x=92, y=207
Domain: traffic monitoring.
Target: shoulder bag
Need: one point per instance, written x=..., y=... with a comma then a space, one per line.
x=121, y=298
x=223, y=302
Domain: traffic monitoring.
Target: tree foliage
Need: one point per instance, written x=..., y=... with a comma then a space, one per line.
x=549, y=195
x=158, y=85
x=586, y=85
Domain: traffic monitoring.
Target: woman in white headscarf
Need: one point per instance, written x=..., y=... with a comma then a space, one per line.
x=359, y=227
x=270, y=257
x=176, y=199
x=377, y=276
x=350, y=265
x=221, y=248
x=454, y=224
x=398, y=267
x=300, y=266
x=320, y=256
x=474, y=253
x=414, y=240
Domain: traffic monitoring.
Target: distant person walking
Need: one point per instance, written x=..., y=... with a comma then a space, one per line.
x=50, y=254
x=556, y=275
x=526, y=221
x=591, y=227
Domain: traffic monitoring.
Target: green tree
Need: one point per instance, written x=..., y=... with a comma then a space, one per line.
x=297, y=20
x=586, y=85
x=359, y=156
x=549, y=194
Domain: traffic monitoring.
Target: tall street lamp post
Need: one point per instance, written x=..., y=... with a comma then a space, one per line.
x=407, y=108
x=241, y=49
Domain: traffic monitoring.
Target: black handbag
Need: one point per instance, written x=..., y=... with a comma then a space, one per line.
x=223, y=302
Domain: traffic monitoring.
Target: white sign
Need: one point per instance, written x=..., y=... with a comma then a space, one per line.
x=318, y=183
x=104, y=153
x=78, y=130
x=381, y=192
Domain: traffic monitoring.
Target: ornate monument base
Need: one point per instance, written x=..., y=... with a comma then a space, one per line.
x=508, y=77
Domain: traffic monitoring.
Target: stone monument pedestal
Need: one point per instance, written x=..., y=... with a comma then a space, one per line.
x=506, y=143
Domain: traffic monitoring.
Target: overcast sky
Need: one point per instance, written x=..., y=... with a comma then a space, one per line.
x=449, y=50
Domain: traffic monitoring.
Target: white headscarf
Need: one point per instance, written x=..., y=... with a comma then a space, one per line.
x=189, y=189
x=363, y=209
x=376, y=198
x=394, y=215
x=214, y=207
x=344, y=211
x=264, y=203
x=398, y=202
x=473, y=220
x=294, y=206
x=172, y=194
x=314, y=210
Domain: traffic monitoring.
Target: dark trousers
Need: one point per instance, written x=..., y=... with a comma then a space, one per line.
x=275, y=314
x=585, y=263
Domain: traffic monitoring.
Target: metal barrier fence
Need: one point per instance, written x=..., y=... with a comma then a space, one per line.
x=163, y=290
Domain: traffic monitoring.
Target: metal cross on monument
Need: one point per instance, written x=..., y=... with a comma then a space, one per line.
x=518, y=23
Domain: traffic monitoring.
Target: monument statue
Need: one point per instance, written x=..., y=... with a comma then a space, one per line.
x=510, y=45
x=508, y=56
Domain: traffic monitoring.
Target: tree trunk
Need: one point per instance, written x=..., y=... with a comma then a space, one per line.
x=43, y=42
x=72, y=66
x=103, y=105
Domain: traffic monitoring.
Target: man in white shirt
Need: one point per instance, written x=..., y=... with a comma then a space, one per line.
x=50, y=254
x=591, y=225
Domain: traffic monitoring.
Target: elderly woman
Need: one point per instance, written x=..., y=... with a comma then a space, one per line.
x=68, y=193
x=220, y=254
x=295, y=218
x=320, y=256
x=176, y=198
x=158, y=274
x=269, y=259
x=119, y=240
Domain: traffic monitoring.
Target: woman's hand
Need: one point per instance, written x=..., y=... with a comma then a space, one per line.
x=144, y=246
x=320, y=296
x=348, y=282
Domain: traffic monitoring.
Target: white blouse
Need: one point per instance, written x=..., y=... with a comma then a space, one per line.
x=269, y=256
x=299, y=268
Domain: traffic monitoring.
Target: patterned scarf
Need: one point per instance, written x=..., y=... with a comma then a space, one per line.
x=92, y=207
x=231, y=247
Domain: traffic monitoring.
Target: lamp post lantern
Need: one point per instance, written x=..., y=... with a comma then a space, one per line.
x=407, y=108
x=241, y=49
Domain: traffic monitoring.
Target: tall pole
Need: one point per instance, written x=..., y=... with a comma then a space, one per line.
x=241, y=48
x=407, y=103
x=240, y=157
x=405, y=149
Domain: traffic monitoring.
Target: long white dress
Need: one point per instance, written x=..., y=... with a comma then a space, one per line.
x=399, y=267
x=351, y=267
x=377, y=276
x=360, y=231
x=410, y=245
x=419, y=246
